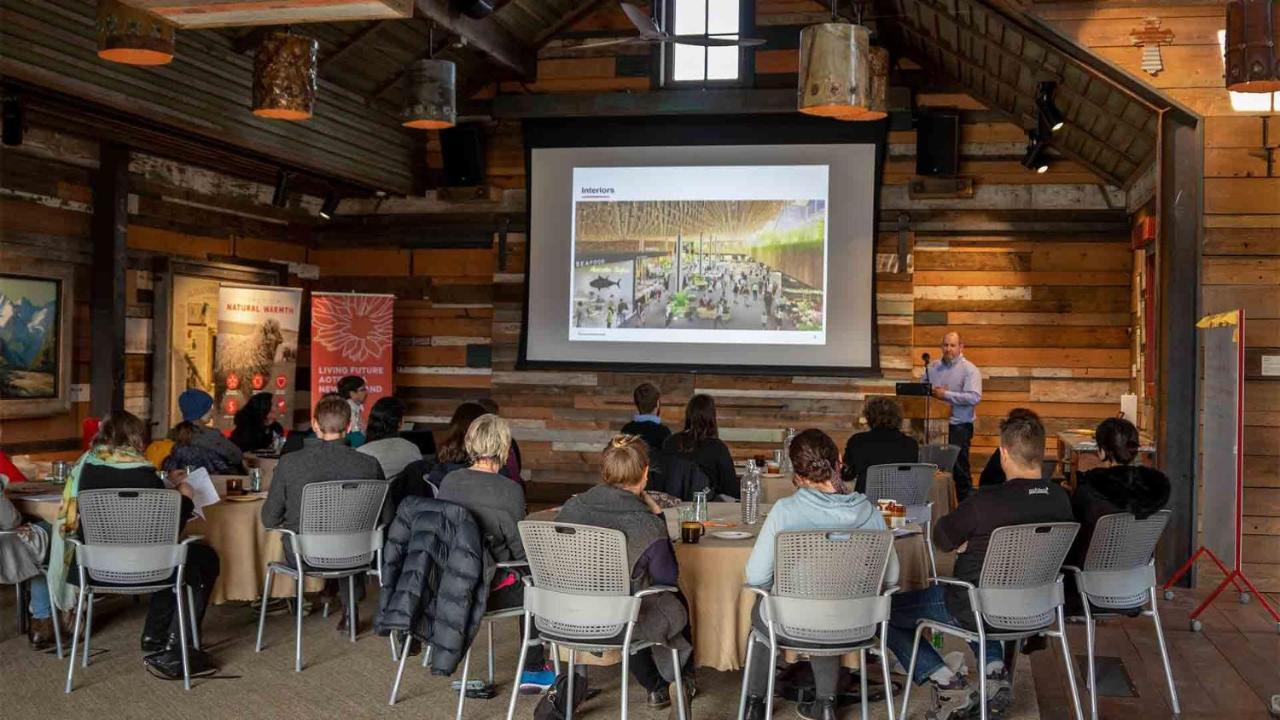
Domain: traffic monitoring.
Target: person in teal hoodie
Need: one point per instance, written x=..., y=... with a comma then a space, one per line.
x=821, y=501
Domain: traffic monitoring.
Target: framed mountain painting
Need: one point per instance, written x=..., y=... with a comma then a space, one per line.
x=35, y=341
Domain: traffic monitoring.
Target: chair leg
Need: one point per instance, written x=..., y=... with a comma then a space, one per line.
x=1071, y=670
x=681, y=711
x=351, y=606
x=462, y=690
x=57, y=632
x=746, y=675
x=555, y=657
x=1089, y=639
x=426, y=656
x=75, y=637
x=88, y=629
x=182, y=633
x=568, y=708
x=773, y=666
x=395, y=687
x=262, y=611
x=862, y=677
x=911, y=671
x=297, y=630
x=23, y=625
x=395, y=648
x=928, y=544
x=524, y=650
x=982, y=674
x=1164, y=655
x=622, y=692
x=491, y=656
x=884, y=668
x=191, y=608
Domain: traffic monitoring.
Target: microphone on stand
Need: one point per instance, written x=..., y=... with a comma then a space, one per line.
x=925, y=357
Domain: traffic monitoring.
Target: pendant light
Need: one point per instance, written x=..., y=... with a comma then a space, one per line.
x=1252, y=55
x=835, y=76
x=284, y=76
x=430, y=92
x=133, y=36
x=878, y=96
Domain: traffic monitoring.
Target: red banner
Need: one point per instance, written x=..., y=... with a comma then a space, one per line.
x=351, y=334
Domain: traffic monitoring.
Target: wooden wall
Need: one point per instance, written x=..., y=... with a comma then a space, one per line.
x=46, y=202
x=1241, y=250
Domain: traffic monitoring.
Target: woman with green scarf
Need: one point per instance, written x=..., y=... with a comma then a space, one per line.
x=115, y=461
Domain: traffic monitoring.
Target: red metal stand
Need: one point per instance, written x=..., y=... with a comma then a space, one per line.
x=1231, y=577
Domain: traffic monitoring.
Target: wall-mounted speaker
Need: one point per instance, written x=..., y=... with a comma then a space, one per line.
x=937, y=142
x=463, y=149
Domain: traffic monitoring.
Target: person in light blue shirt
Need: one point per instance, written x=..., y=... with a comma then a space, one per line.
x=957, y=382
x=821, y=501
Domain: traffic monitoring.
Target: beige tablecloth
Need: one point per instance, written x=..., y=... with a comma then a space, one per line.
x=774, y=487
x=711, y=578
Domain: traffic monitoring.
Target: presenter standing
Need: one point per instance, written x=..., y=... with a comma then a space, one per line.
x=957, y=382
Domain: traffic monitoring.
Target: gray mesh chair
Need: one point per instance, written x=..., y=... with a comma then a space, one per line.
x=827, y=599
x=579, y=597
x=1119, y=574
x=1019, y=595
x=130, y=547
x=338, y=537
x=489, y=618
x=910, y=484
x=944, y=456
x=23, y=592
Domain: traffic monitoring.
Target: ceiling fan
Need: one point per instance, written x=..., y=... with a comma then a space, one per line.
x=652, y=34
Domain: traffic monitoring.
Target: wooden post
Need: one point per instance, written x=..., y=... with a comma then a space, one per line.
x=1180, y=206
x=109, y=231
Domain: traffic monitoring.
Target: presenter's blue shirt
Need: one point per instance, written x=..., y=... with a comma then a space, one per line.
x=963, y=383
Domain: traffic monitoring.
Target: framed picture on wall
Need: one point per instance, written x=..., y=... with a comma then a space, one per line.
x=35, y=340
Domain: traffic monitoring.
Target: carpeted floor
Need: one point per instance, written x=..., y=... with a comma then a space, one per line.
x=339, y=680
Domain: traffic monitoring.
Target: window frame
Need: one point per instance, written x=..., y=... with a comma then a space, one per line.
x=746, y=56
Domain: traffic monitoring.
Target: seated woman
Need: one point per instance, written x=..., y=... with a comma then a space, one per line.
x=255, y=424
x=511, y=468
x=820, y=502
x=619, y=502
x=700, y=443
x=187, y=452
x=196, y=407
x=114, y=461
x=882, y=444
x=1117, y=485
x=383, y=440
x=497, y=504
x=452, y=453
x=20, y=558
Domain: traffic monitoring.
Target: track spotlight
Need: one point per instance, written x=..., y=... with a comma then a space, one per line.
x=1050, y=115
x=280, y=197
x=1036, y=157
x=330, y=205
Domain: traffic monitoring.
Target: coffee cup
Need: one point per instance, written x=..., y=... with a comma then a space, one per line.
x=691, y=531
x=234, y=487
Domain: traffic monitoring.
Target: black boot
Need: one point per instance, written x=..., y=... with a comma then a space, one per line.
x=823, y=708
x=755, y=708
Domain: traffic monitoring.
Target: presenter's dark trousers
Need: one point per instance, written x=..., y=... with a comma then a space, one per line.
x=960, y=435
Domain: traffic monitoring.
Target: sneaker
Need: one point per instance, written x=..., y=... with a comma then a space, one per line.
x=952, y=701
x=659, y=699
x=755, y=708
x=536, y=680
x=999, y=693
x=818, y=709
x=689, y=692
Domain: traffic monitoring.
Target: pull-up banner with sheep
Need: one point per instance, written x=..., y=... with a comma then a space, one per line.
x=351, y=334
x=257, y=349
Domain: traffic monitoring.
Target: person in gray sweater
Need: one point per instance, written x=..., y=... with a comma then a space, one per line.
x=327, y=459
x=383, y=441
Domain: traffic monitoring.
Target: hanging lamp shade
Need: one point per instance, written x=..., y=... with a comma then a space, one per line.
x=834, y=70
x=430, y=95
x=132, y=36
x=1253, y=46
x=878, y=94
x=284, y=76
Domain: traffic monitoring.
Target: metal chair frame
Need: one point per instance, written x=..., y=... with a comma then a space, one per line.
x=584, y=612
x=997, y=592
x=911, y=485
x=102, y=554
x=1115, y=577
x=938, y=452
x=325, y=545
x=839, y=610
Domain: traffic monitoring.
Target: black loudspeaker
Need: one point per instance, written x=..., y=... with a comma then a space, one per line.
x=938, y=142
x=12, y=120
x=463, y=149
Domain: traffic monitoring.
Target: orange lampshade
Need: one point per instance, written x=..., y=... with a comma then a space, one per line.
x=284, y=77
x=1253, y=46
x=430, y=89
x=835, y=79
x=132, y=36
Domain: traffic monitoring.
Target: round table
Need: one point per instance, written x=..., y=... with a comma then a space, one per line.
x=775, y=486
x=712, y=575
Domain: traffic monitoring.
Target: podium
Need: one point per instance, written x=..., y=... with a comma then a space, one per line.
x=917, y=389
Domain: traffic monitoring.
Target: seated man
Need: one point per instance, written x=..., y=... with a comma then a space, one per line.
x=647, y=422
x=1024, y=498
x=329, y=458
x=883, y=443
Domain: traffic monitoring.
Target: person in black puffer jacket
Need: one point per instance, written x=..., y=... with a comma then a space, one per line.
x=435, y=579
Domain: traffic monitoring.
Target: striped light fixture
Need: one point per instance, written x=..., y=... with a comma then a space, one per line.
x=133, y=36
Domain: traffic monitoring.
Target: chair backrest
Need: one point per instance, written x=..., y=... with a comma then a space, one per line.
x=907, y=483
x=581, y=579
x=944, y=456
x=339, y=521
x=130, y=535
x=1020, y=586
x=827, y=584
x=1117, y=568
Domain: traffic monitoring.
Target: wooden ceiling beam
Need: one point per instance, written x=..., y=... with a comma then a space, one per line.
x=349, y=44
x=488, y=37
x=571, y=18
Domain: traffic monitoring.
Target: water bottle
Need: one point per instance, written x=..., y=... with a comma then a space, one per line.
x=255, y=480
x=751, y=495
x=786, y=451
x=700, y=506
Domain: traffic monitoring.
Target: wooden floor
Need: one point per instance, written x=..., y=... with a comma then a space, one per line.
x=1228, y=670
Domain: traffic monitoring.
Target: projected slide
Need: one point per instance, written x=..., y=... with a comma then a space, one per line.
x=699, y=254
